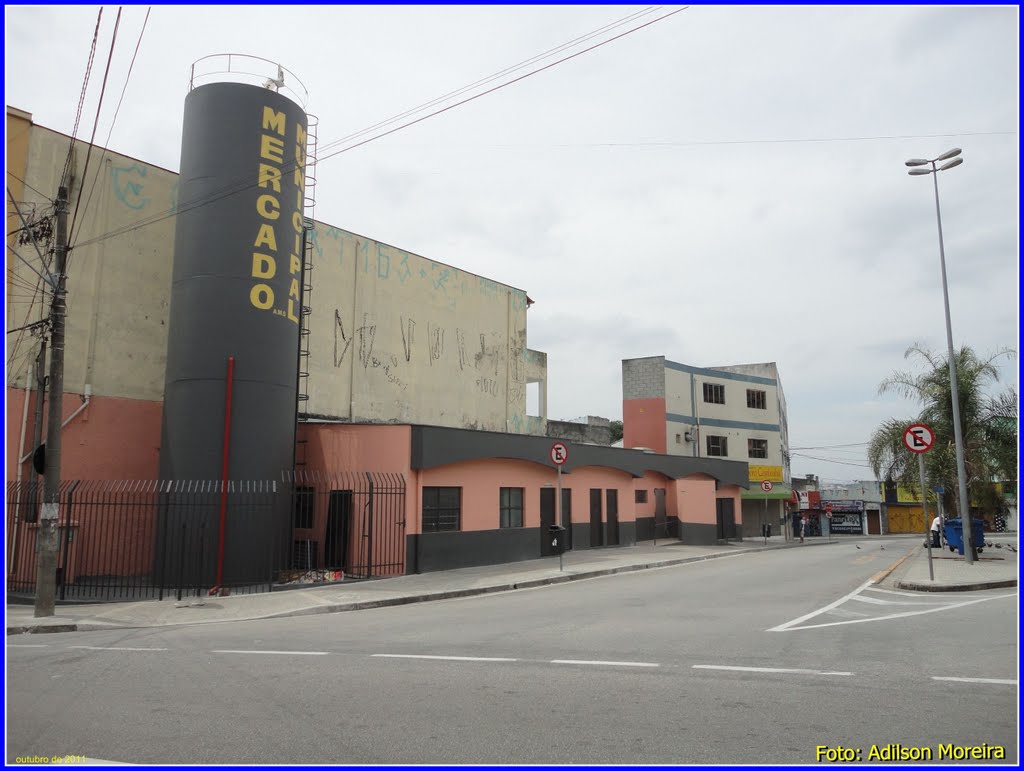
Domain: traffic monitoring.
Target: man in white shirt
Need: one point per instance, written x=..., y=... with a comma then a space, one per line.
x=936, y=532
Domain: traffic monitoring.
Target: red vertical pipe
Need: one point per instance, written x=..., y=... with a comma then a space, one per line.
x=224, y=470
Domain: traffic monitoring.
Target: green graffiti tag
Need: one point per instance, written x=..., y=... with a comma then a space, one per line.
x=127, y=188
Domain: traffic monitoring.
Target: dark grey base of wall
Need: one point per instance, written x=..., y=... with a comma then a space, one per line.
x=447, y=551
x=645, y=529
x=698, y=534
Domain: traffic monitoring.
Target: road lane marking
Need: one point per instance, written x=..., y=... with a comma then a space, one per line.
x=813, y=613
x=10, y=645
x=788, y=626
x=606, y=663
x=278, y=653
x=438, y=658
x=977, y=680
x=901, y=594
x=878, y=601
x=772, y=669
x=111, y=648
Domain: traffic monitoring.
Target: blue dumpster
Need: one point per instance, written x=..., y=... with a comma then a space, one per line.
x=954, y=531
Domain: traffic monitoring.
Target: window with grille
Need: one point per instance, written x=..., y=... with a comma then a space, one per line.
x=442, y=509
x=302, y=507
x=641, y=496
x=714, y=393
x=757, y=400
x=511, y=506
x=718, y=447
x=757, y=448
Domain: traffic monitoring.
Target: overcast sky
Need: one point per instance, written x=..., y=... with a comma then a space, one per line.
x=724, y=186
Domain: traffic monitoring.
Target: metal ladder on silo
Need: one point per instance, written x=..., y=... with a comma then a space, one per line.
x=308, y=236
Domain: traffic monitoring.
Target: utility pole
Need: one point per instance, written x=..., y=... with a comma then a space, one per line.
x=46, y=543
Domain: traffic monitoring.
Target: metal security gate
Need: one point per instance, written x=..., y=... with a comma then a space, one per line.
x=725, y=516
x=356, y=528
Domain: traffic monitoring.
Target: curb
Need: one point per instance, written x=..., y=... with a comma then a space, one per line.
x=884, y=574
x=427, y=597
x=981, y=585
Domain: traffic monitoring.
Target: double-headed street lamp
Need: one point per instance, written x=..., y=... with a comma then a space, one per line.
x=952, y=158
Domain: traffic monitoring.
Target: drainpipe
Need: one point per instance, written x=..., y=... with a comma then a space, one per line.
x=24, y=426
x=87, y=397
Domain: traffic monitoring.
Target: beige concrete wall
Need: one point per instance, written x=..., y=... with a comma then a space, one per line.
x=396, y=337
x=118, y=286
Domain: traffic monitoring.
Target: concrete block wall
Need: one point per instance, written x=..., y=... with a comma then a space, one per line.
x=643, y=378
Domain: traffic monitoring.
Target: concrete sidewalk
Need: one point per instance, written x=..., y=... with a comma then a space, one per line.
x=360, y=595
x=996, y=567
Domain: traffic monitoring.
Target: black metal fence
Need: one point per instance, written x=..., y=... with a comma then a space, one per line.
x=352, y=522
x=130, y=540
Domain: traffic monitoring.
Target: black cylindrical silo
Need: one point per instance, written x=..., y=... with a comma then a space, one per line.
x=236, y=288
x=236, y=284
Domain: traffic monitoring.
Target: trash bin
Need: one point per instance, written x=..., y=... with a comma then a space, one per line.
x=556, y=534
x=955, y=534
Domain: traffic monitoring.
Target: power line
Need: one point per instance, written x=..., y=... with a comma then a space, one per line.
x=828, y=460
x=502, y=85
x=26, y=184
x=81, y=99
x=832, y=446
x=242, y=185
x=117, y=110
x=491, y=78
x=96, y=122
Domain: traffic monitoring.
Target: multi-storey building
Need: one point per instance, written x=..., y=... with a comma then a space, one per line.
x=736, y=412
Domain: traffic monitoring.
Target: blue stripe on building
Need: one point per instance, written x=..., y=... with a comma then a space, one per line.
x=718, y=423
x=717, y=373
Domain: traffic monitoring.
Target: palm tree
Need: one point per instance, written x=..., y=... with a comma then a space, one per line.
x=988, y=424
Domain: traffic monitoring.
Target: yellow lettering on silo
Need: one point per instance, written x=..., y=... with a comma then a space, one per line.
x=268, y=207
x=293, y=290
x=270, y=176
x=272, y=119
x=297, y=221
x=294, y=266
x=272, y=149
x=291, y=311
x=262, y=296
x=300, y=135
x=266, y=237
x=263, y=265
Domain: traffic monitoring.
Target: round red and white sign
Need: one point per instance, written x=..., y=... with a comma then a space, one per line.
x=767, y=485
x=918, y=438
x=828, y=509
x=559, y=453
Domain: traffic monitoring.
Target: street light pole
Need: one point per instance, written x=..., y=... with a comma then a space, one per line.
x=961, y=470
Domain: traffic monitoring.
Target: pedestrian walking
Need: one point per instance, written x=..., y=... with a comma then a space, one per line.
x=936, y=532
x=803, y=528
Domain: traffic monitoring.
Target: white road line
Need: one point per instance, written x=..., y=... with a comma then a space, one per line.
x=10, y=645
x=877, y=601
x=901, y=594
x=606, y=663
x=278, y=653
x=977, y=680
x=786, y=627
x=771, y=669
x=812, y=614
x=438, y=658
x=99, y=648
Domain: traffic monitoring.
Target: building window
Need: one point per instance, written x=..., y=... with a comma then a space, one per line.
x=757, y=400
x=442, y=509
x=302, y=507
x=641, y=496
x=757, y=448
x=511, y=504
x=714, y=393
x=679, y=438
x=718, y=447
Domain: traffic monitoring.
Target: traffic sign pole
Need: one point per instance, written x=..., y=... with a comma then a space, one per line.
x=924, y=507
x=558, y=515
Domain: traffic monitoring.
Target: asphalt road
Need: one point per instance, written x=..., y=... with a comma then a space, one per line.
x=757, y=658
